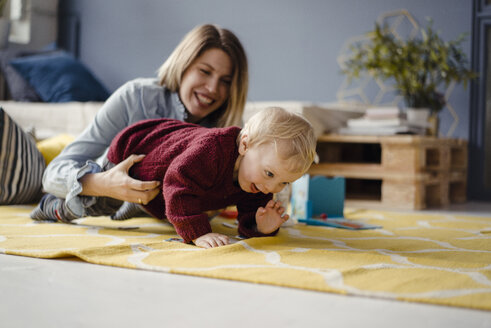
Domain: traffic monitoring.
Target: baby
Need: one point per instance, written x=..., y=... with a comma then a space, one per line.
x=202, y=169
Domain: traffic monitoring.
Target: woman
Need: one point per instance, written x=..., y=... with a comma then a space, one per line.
x=203, y=81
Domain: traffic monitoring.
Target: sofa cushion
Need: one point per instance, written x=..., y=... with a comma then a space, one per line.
x=52, y=147
x=60, y=77
x=18, y=88
x=324, y=117
x=46, y=120
x=21, y=164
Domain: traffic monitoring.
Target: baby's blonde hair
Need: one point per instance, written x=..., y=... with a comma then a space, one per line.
x=292, y=135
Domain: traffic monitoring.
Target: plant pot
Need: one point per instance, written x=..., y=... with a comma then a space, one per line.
x=418, y=116
x=4, y=32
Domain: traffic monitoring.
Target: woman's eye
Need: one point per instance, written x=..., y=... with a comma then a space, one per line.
x=204, y=71
x=286, y=183
x=269, y=174
x=227, y=82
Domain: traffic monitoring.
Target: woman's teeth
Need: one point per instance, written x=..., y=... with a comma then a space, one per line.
x=203, y=99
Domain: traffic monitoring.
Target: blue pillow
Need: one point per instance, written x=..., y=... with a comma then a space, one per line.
x=59, y=77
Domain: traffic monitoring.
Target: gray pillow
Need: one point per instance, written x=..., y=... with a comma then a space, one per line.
x=18, y=87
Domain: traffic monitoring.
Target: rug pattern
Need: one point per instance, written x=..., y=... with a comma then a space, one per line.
x=438, y=259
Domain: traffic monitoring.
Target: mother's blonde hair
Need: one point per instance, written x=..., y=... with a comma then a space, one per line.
x=193, y=45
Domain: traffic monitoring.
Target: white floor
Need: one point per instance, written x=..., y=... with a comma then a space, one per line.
x=70, y=293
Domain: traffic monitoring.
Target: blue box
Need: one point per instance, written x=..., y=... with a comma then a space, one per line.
x=318, y=195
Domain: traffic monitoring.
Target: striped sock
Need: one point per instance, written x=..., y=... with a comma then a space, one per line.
x=52, y=208
x=129, y=210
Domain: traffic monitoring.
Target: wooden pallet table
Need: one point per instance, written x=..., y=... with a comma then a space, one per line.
x=404, y=171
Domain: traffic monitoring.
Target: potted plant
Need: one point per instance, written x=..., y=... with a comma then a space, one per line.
x=419, y=67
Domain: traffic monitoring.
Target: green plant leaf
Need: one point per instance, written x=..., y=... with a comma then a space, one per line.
x=418, y=67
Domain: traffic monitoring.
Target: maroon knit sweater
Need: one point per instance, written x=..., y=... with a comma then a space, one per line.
x=195, y=167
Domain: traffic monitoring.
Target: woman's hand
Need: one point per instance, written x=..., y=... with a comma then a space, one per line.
x=269, y=218
x=211, y=240
x=116, y=183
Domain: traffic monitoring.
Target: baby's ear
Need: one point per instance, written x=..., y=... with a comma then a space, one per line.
x=243, y=144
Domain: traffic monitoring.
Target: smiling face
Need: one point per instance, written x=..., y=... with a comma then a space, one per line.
x=205, y=85
x=259, y=168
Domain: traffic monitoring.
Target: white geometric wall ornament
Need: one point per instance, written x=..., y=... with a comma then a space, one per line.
x=451, y=110
x=400, y=22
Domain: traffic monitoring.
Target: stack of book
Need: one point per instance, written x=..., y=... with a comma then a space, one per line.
x=382, y=121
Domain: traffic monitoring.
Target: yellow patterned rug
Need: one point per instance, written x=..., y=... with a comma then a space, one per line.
x=439, y=259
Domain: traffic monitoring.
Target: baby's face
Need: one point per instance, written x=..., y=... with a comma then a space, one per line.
x=260, y=169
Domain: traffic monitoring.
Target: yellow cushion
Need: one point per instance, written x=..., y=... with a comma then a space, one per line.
x=51, y=147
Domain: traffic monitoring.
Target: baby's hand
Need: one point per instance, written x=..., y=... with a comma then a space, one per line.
x=269, y=218
x=211, y=240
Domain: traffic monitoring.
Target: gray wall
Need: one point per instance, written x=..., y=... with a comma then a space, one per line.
x=292, y=45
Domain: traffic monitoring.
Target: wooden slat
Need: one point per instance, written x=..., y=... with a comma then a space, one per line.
x=367, y=171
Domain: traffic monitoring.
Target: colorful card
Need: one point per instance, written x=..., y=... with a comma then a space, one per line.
x=342, y=223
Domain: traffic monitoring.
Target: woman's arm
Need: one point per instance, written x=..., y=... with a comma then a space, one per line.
x=88, y=147
x=77, y=170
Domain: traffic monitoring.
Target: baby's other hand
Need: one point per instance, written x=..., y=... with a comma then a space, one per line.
x=270, y=218
x=211, y=240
